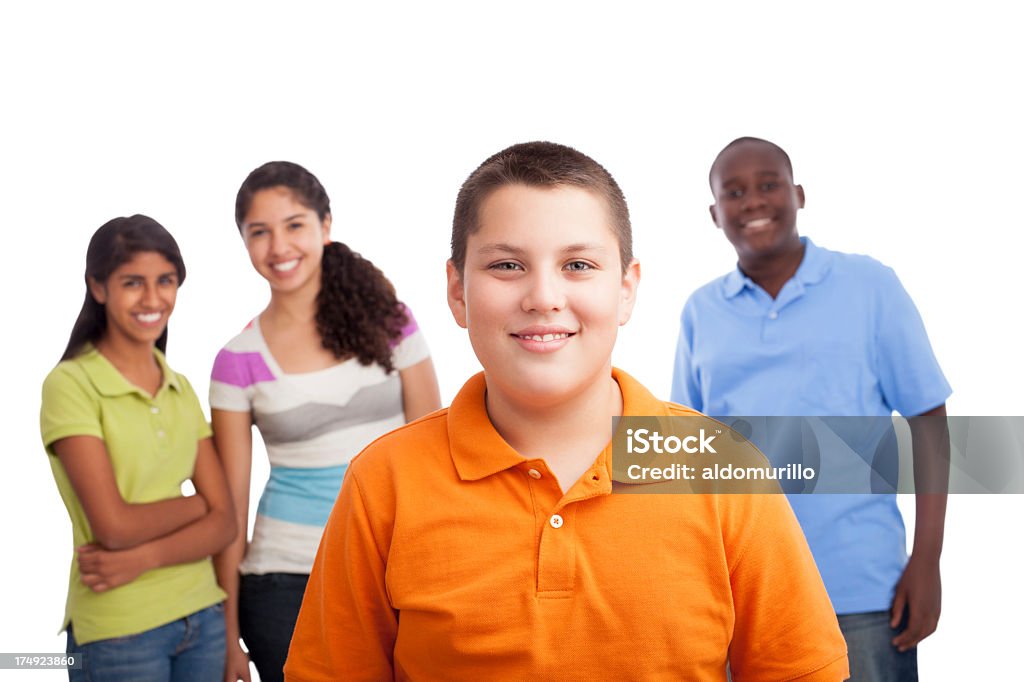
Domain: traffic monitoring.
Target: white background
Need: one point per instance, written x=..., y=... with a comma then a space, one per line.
x=903, y=122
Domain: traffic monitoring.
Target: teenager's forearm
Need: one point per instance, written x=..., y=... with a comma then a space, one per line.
x=134, y=524
x=206, y=537
x=226, y=565
x=930, y=441
x=929, y=525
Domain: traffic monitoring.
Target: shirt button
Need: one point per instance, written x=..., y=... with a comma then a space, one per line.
x=533, y=473
x=773, y=315
x=155, y=409
x=556, y=521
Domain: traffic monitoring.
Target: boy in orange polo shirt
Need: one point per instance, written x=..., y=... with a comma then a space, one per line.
x=483, y=541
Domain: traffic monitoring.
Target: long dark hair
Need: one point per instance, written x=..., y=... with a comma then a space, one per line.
x=357, y=311
x=111, y=246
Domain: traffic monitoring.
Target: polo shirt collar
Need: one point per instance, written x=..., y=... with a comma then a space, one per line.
x=815, y=265
x=109, y=382
x=735, y=282
x=478, y=450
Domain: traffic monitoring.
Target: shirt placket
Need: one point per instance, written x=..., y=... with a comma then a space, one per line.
x=556, y=520
x=158, y=425
x=771, y=322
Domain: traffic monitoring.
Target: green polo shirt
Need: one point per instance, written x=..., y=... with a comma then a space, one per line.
x=152, y=443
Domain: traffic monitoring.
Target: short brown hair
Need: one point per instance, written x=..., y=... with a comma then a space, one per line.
x=538, y=164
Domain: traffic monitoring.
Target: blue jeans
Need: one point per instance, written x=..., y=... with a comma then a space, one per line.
x=191, y=648
x=873, y=658
x=268, y=606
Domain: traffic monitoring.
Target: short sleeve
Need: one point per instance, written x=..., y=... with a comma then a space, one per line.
x=203, y=429
x=70, y=407
x=912, y=381
x=232, y=378
x=411, y=347
x=685, y=387
x=785, y=627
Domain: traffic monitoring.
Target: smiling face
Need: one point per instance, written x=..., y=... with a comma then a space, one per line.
x=756, y=201
x=138, y=298
x=285, y=240
x=543, y=293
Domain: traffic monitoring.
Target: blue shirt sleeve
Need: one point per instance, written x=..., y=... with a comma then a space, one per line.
x=685, y=386
x=909, y=374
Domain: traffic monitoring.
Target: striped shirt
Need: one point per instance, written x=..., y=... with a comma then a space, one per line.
x=312, y=424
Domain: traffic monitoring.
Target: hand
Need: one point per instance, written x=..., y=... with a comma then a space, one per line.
x=236, y=664
x=103, y=569
x=920, y=591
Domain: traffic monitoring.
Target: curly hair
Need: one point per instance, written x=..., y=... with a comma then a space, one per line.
x=357, y=311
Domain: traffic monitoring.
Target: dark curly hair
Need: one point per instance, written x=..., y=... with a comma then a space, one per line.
x=357, y=311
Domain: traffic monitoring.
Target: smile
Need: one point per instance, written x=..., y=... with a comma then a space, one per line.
x=148, y=318
x=544, y=338
x=542, y=341
x=286, y=266
x=760, y=222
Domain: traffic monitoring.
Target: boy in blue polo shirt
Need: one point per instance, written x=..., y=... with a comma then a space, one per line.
x=796, y=329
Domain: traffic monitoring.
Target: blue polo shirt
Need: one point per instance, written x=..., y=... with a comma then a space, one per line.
x=842, y=338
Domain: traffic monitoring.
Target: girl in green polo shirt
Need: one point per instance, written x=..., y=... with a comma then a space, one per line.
x=124, y=431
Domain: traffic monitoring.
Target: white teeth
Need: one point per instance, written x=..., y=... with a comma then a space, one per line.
x=547, y=337
x=147, y=318
x=760, y=222
x=286, y=266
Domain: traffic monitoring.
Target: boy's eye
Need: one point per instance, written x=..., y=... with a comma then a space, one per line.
x=578, y=266
x=168, y=280
x=505, y=266
x=769, y=186
x=294, y=226
x=257, y=232
x=734, y=193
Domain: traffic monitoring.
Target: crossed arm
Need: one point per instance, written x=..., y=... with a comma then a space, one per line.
x=135, y=538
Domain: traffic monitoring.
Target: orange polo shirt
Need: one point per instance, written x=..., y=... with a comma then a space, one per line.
x=449, y=556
